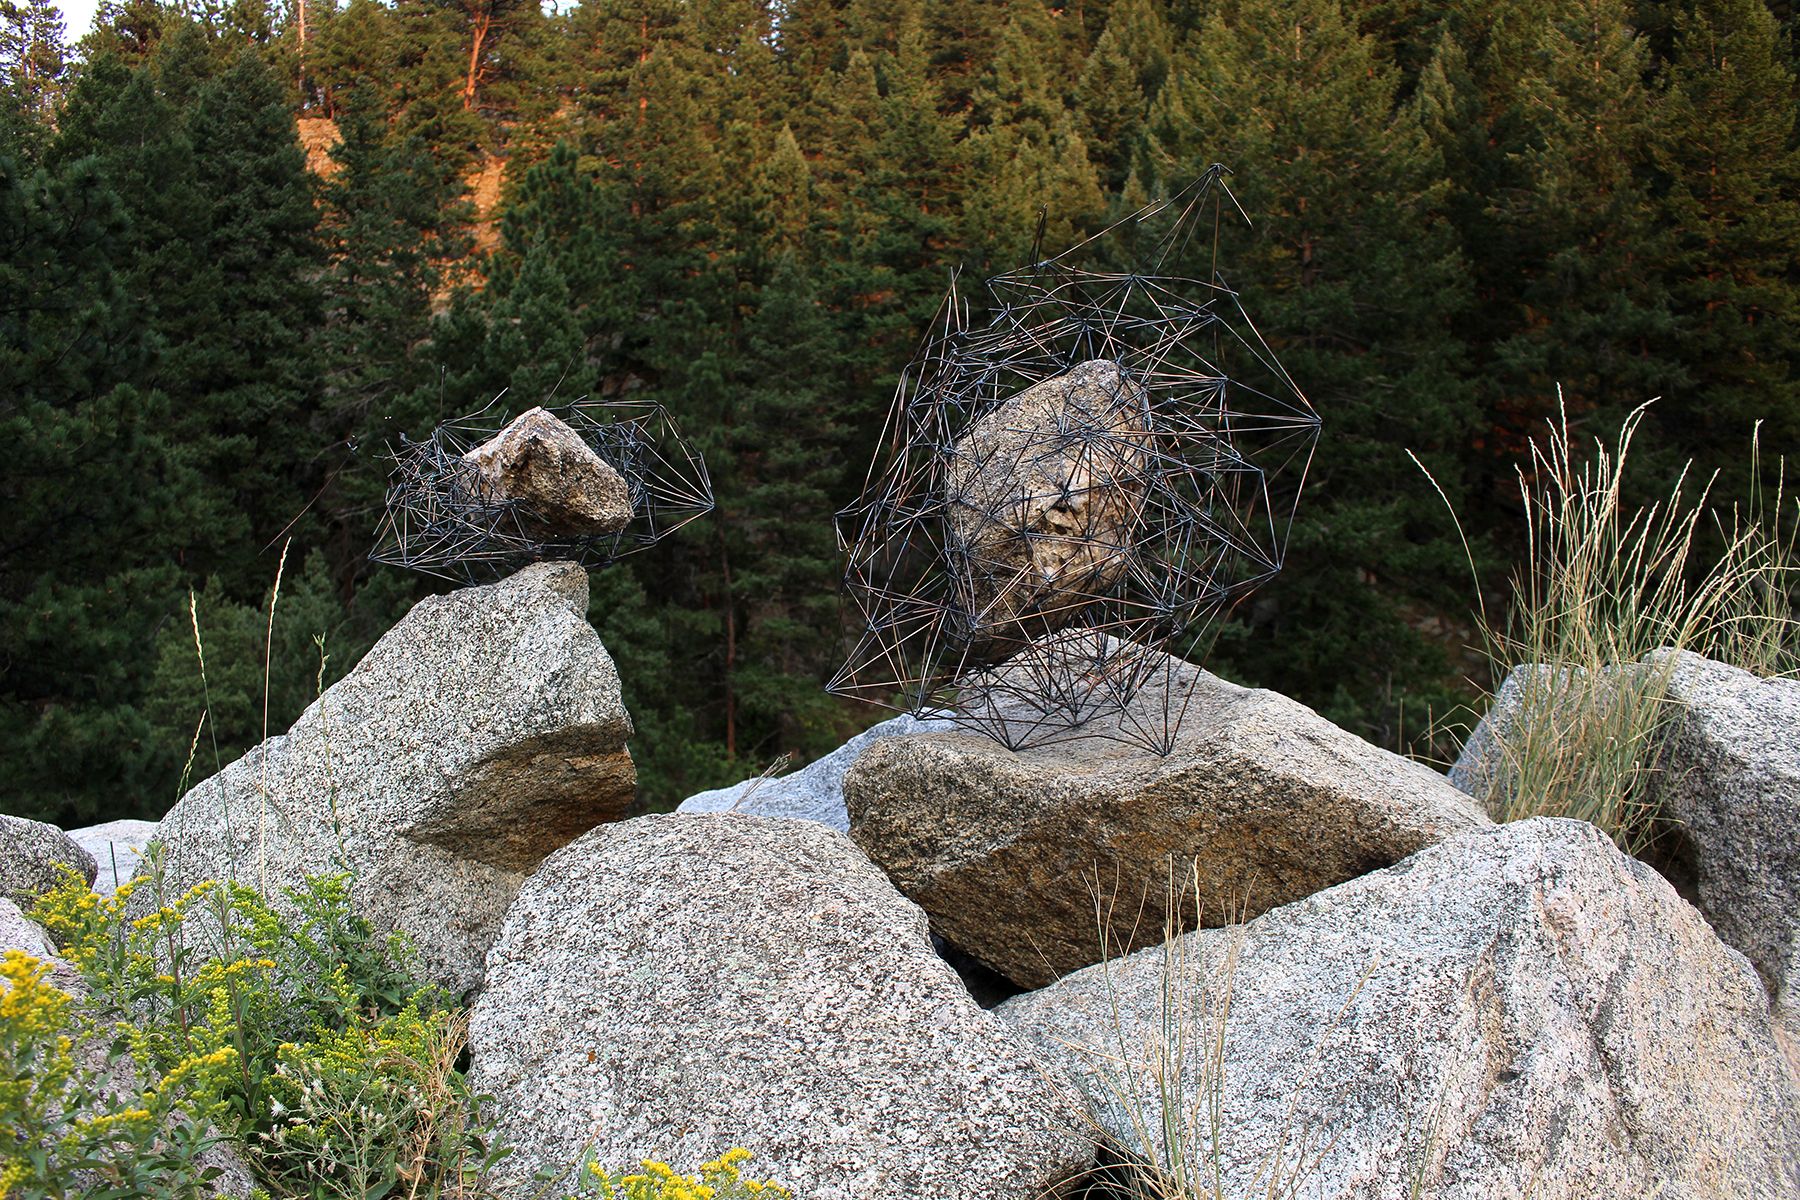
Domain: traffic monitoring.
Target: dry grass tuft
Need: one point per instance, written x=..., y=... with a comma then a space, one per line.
x=1602, y=589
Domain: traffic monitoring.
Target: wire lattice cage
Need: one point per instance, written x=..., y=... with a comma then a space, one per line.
x=1072, y=491
x=444, y=518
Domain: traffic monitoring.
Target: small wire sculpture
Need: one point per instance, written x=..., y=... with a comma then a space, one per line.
x=442, y=517
x=1069, y=492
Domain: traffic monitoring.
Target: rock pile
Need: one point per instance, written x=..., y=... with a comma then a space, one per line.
x=1727, y=779
x=1416, y=1003
x=816, y=791
x=1518, y=1011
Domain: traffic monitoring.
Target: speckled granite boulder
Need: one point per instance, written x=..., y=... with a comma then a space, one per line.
x=816, y=791
x=1043, y=497
x=1729, y=775
x=672, y=986
x=30, y=852
x=118, y=847
x=1005, y=849
x=19, y=932
x=1521, y=1011
x=482, y=732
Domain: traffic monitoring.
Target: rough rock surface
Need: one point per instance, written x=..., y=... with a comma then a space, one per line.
x=118, y=847
x=1729, y=775
x=1519, y=1011
x=1043, y=494
x=672, y=986
x=568, y=490
x=1007, y=850
x=116, y=1075
x=19, y=932
x=29, y=854
x=1726, y=778
x=816, y=791
x=482, y=732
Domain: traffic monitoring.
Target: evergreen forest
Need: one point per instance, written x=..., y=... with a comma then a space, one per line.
x=245, y=247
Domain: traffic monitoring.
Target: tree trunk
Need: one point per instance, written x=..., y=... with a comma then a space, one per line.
x=482, y=21
x=730, y=658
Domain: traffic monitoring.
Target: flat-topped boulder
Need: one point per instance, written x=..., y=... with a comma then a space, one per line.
x=482, y=732
x=673, y=986
x=1268, y=802
x=1519, y=1012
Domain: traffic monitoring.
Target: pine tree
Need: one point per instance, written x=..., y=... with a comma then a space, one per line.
x=1027, y=153
x=558, y=314
x=958, y=39
x=130, y=29
x=500, y=40
x=902, y=176
x=1352, y=273
x=790, y=450
x=32, y=73
x=1125, y=71
x=93, y=502
x=1728, y=194
x=359, y=51
x=252, y=307
x=127, y=123
x=198, y=444
x=1591, y=315
x=783, y=200
x=392, y=227
x=1409, y=30
x=422, y=64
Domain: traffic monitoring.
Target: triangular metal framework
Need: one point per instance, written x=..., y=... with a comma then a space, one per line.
x=1209, y=434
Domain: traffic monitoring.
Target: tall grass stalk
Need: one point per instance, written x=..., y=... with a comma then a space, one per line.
x=1604, y=588
x=1757, y=629
x=262, y=778
x=206, y=720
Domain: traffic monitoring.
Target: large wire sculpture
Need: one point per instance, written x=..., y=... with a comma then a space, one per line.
x=444, y=518
x=1073, y=491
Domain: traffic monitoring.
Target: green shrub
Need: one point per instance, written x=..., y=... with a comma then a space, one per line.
x=377, y=1108
x=70, y=1127
x=721, y=1179
x=296, y=1033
